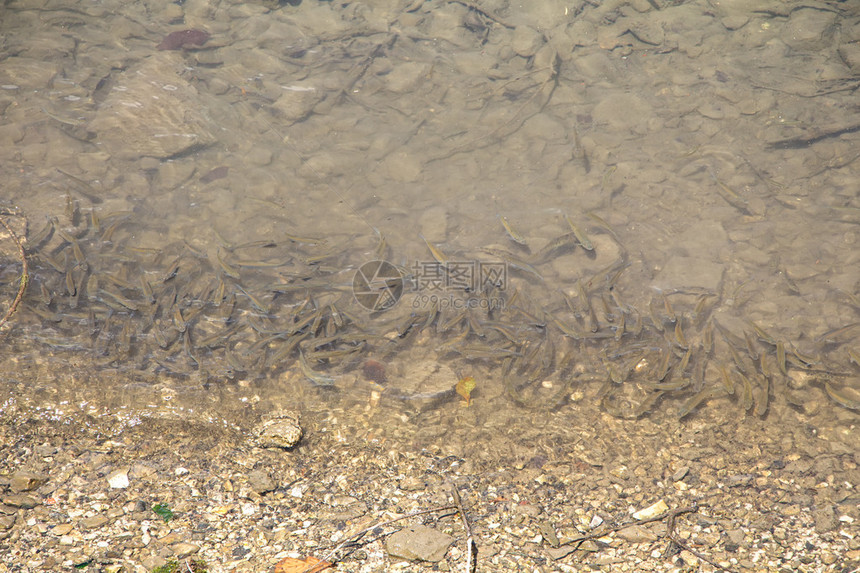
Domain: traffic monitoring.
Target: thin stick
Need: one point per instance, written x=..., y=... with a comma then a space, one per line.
x=471, y=548
x=361, y=533
x=670, y=533
x=670, y=526
x=25, y=275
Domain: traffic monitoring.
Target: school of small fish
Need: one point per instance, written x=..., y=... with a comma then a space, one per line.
x=262, y=307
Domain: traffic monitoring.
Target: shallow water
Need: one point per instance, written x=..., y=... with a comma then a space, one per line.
x=708, y=152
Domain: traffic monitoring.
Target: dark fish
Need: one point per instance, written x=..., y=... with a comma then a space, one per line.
x=215, y=174
x=182, y=38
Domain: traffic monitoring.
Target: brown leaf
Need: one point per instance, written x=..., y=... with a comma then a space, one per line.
x=306, y=565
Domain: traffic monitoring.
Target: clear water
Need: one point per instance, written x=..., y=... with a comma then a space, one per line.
x=708, y=154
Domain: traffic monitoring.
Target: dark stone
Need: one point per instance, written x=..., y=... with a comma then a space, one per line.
x=178, y=40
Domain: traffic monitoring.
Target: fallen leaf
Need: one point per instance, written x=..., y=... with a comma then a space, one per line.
x=306, y=565
x=464, y=388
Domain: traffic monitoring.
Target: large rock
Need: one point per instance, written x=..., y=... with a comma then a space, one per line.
x=151, y=111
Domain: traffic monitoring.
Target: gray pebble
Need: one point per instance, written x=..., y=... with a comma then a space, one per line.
x=825, y=519
x=419, y=543
x=93, y=522
x=412, y=483
x=261, y=482
x=27, y=481
x=183, y=550
x=20, y=500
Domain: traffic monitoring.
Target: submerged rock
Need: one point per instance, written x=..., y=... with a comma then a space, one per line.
x=280, y=429
x=152, y=111
x=419, y=543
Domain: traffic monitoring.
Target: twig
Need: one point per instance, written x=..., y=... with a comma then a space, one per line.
x=670, y=517
x=25, y=275
x=670, y=533
x=328, y=557
x=471, y=547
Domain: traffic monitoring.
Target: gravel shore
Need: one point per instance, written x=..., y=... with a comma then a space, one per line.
x=80, y=492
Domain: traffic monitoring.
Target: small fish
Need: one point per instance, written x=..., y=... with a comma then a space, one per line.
x=663, y=368
x=728, y=385
x=315, y=377
x=844, y=396
x=437, y=254
x=670, y=312
x=147, y=290
x=228, y=269
x=83, y=187
x=747, y=397
x=762, y=398
x=696, y=400
x=559, y=242
x=215, y=174
x=179, y=322
x=685, y=360
x=107, y=236
x=580, y=235
x=515, y=236
x=854, y=356
x=122, y=303
x=762, y=335
x=680, y=339
x=513, y=261
x=381, y=251
x=37, y=239
x=780, y=357
x=804, y=358
x=602, y=222
x=648, y=403
x=730, y=197
x=708, y=337
x=565, y=328
x=255, y=302
x=95, y=222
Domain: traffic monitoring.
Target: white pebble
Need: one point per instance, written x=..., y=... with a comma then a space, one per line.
x=118, y=479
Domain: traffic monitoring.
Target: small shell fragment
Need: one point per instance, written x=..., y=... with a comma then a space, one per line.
x=651, y=511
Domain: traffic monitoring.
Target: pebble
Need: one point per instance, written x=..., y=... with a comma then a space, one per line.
x=526, y=41
x=280, y=429
x=412, y=483
x=680, y=474
x=419, y=543
x=27, y=481
x=651, y=511
x=529, y=509
x=93, y=522
x=62, y=529
x=825, y=519
x=261, y=482
x=183, y=549
x=637, y=534
x=20, y=500
x=118, y=479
